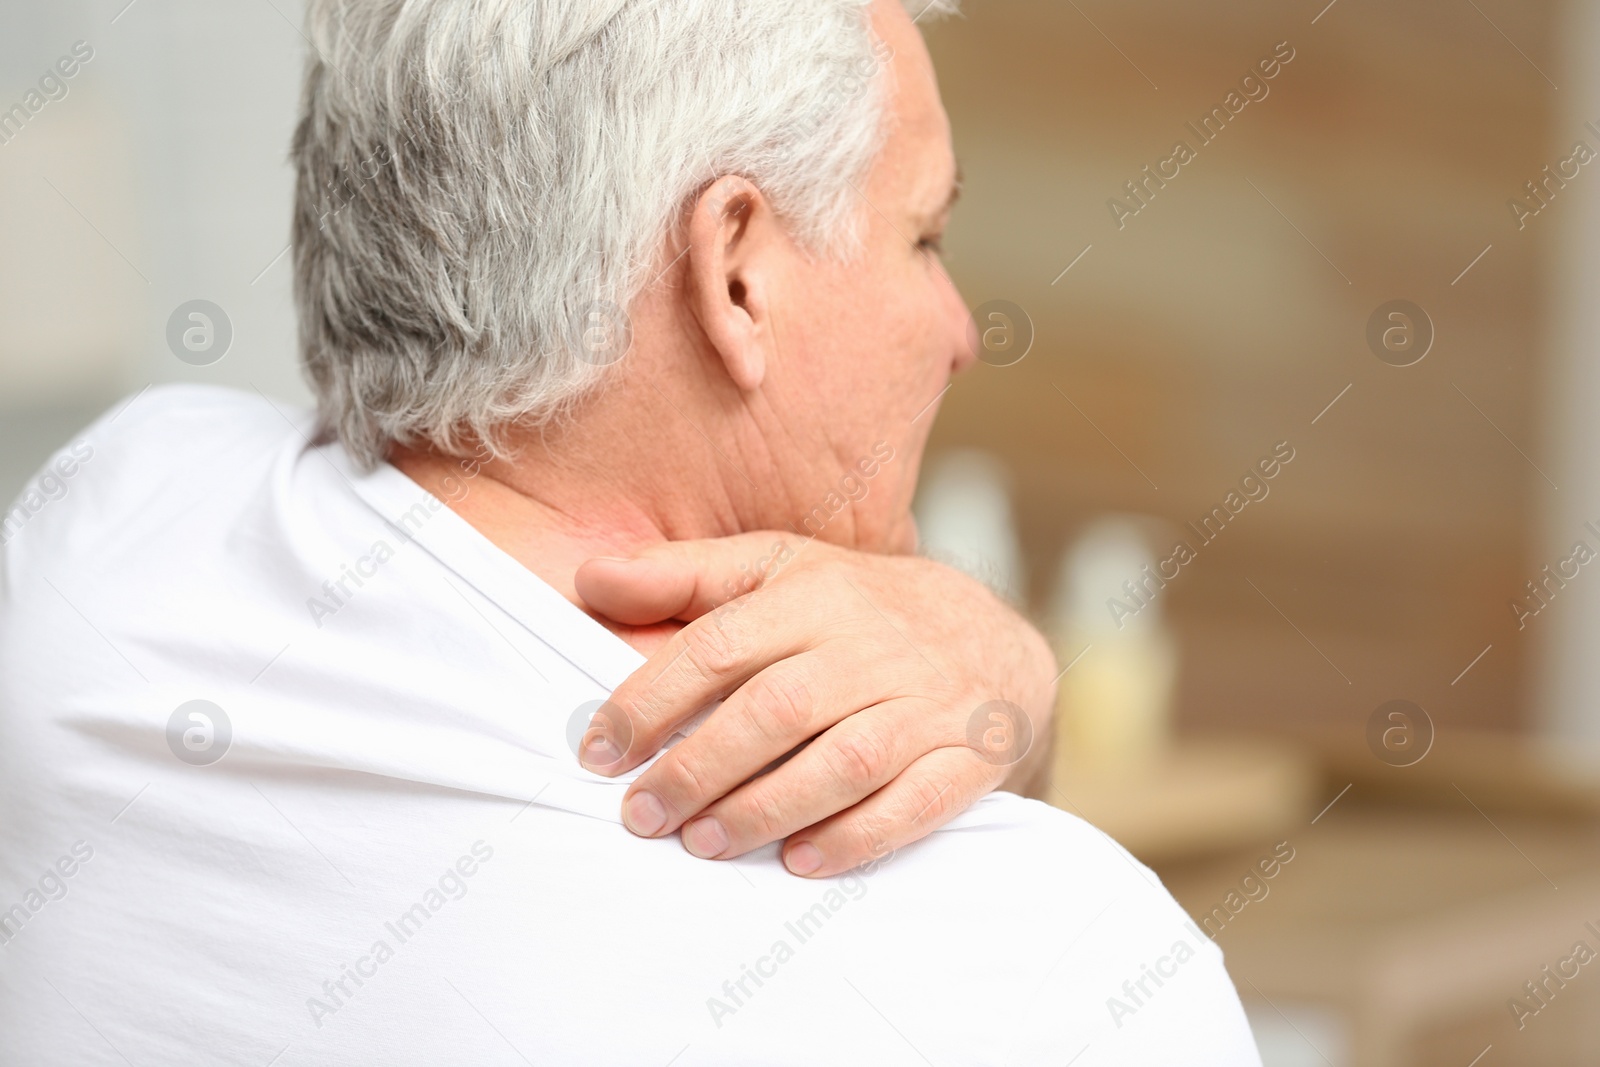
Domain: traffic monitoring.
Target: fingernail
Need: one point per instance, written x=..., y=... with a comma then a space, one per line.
x=706, y=838
x=598, y=752
x=644, y=814
x=803, y=858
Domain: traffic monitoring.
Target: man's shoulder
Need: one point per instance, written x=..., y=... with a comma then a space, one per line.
x=1088, y=940
x=155, y=515
x=146, y=459
x=1035, y=834
x=183, y=420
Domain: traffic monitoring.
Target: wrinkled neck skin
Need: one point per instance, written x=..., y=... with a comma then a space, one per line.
x=598, y=487
x=551, y=511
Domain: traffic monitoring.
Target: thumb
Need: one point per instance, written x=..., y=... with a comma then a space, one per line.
x=681, y=579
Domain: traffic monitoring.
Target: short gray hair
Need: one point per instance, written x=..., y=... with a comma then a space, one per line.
x=475, y=177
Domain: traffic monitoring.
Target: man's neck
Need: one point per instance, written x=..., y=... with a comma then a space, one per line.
x=528, y=509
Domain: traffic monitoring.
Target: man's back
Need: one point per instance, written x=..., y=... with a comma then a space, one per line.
x=286, y=776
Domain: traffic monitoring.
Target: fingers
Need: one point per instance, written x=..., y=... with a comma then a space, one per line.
x=770, y=715
x=636, y=592
x=846, y=764
x=922, y=798
x=711, y=657
x=681, y=579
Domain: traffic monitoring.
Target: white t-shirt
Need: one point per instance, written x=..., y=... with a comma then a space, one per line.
x=397, y=858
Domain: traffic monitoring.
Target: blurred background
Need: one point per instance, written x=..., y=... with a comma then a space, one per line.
x=1287, y=439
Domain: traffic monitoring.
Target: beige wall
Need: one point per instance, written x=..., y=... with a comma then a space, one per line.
x=1216, y=323
x=159, y=178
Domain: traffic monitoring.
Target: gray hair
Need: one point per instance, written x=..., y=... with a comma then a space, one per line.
x=477, y=180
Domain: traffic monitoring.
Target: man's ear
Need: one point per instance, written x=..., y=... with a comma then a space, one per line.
x=734, y=236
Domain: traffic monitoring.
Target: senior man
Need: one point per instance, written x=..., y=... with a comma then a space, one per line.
x=291, y=705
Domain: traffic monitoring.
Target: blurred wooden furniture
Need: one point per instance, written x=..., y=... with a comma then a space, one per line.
x=1199, y=797
x=1420, y=902
x=1406, y=922
x=1497, y=771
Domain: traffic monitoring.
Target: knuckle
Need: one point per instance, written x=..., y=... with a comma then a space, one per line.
x=634, y=724
x=716, y=650
x=861, y=759
x=633, y=711
x=756, y=821
x=862, y=837
x=685, y=782
x=781, y=705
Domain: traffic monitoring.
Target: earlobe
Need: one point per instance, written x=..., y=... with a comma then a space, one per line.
x=730, y=244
